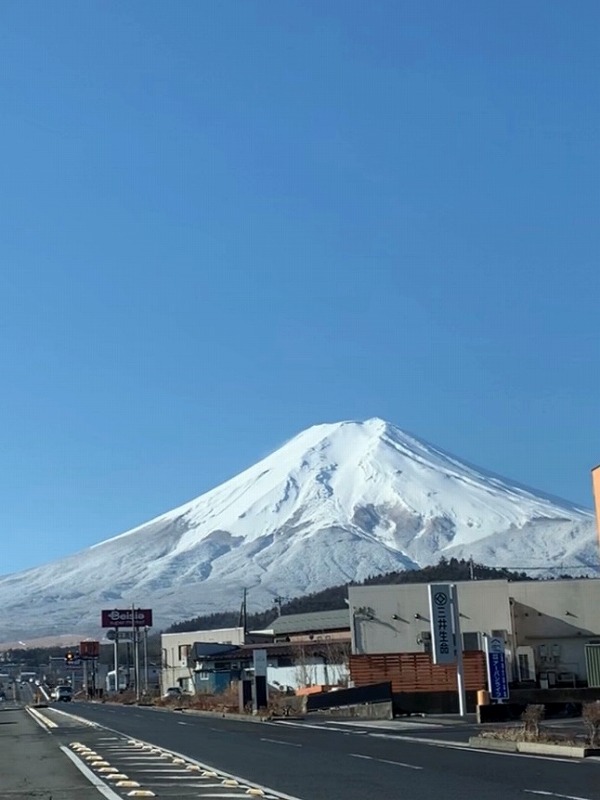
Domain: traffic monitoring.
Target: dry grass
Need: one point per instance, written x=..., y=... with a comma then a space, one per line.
x=226, y=702
x=591, y=717
x=518, y=734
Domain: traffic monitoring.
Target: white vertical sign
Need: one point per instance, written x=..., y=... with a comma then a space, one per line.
x=259, y=658
x=440, y=613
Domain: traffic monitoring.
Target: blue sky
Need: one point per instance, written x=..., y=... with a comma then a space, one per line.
x=222, y=222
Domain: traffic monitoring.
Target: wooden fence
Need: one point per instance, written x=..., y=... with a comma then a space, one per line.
x=415, y=672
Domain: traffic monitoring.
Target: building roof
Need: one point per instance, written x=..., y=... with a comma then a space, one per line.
x=245, y=653
x=210, y=649
x=313, y=622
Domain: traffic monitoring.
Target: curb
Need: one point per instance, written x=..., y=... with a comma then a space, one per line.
x=533, y=748
x=213, y=714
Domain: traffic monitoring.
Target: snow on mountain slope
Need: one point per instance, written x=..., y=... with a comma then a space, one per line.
x=339, y=502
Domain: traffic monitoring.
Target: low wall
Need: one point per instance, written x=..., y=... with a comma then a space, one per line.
x=356, y=696
x=405, y=703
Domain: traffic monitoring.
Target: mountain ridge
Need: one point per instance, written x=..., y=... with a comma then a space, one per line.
x=338, y=502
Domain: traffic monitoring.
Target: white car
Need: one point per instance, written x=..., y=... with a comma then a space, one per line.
x=64, y=693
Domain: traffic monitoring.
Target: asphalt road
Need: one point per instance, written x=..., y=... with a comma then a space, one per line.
x=324, y=761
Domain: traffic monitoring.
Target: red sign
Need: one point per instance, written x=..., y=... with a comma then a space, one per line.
x=89, y=649
x=122, y=618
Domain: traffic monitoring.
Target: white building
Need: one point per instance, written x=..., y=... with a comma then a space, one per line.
x=177, y=668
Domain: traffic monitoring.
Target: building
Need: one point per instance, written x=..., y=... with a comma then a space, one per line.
x=313, y=626
x=176, y=648
x=549, y=627
x=290, y=666
x=303, y=650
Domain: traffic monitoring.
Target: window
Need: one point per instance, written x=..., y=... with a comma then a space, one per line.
x=524, y=669
x=184, y=651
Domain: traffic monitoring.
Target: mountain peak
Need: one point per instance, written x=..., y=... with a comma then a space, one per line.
x=338, y=502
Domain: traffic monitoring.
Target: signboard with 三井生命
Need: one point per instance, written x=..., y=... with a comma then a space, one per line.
x=442, y=632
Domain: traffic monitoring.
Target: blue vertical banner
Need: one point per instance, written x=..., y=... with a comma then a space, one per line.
x=496, y=668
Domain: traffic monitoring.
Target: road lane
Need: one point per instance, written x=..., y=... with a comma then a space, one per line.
x=321, y=764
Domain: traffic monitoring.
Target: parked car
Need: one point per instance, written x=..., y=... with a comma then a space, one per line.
x=62, y=693
x=173, y=691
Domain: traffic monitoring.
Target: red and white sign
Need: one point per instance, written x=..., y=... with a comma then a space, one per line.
x=122, y=618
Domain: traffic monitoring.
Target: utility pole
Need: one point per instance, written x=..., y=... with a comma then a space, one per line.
x=243, y=621
x=471, y=569
x=278, y=603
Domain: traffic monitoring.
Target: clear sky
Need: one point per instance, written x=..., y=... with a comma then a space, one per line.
x=222, y=222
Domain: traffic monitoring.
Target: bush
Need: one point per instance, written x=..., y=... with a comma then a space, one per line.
x=531, y=718
x=591, y=717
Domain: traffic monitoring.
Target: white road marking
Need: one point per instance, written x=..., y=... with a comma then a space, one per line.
x=171, y=771
x=42, y=721
x=454, y=745
x=92, y=777
x=553, y=794
x=227, y=794
x=386, y=724
x=185, y=723
x=268, y=791
x=385, y=761
x=81, y=720
x=318, y=728
x=278, y=741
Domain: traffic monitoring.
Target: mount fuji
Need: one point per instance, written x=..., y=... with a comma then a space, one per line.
x=338, y=503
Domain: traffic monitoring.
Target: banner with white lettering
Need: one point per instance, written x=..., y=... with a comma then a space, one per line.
x=442, y=634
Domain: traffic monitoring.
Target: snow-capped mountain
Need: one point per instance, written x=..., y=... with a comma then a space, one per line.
x=337, y=503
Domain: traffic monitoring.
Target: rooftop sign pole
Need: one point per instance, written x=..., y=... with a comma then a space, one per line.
x=446, y=638
x=460, y=675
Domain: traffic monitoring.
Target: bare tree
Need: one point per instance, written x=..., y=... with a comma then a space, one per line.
x=591, y=718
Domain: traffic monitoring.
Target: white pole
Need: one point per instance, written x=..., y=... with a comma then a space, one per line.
x=146, y=659
x=136, y=655
x=460, y=676
x=116, y=660
x=486, y=650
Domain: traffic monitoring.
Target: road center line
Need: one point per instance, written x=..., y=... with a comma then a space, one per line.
x=278, y=741
x=387, y=761
x=553, y=794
